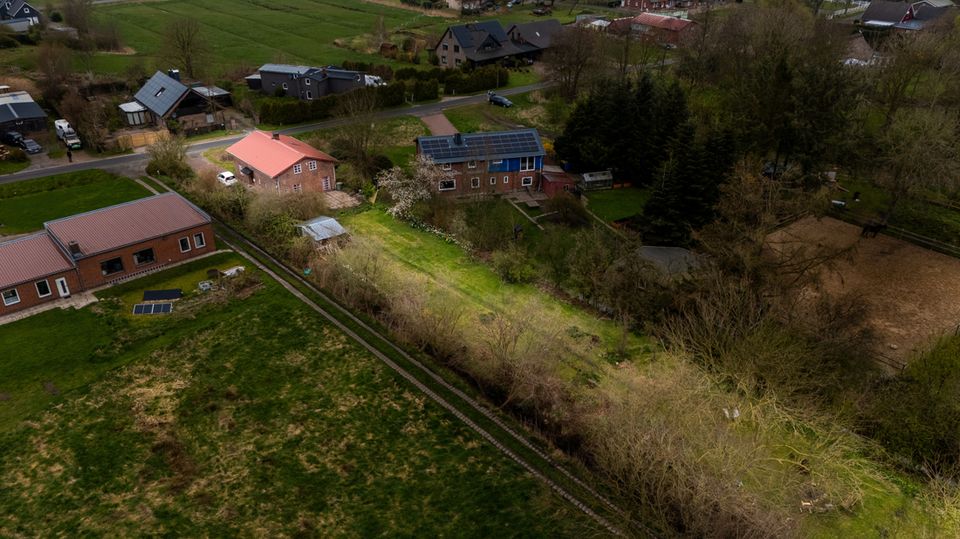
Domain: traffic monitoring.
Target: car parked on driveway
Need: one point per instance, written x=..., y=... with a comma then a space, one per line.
x=500, y=101
x=226, y=178
x=30, y=146
x=12, y=138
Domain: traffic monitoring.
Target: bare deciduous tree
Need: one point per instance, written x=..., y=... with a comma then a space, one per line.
x=360, y=140
x=185, y=46
x=572, y=60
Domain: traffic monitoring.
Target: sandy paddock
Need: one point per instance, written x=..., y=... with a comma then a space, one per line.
x=912, y=294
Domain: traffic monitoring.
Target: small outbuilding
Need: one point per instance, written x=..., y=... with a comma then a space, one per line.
x=18, y=112
x=322, y=229
x=557, y=181
x=593, y=181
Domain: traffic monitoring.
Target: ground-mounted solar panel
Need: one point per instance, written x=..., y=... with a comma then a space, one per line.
x=138, y=309
x=165, y=308
x=153, y=308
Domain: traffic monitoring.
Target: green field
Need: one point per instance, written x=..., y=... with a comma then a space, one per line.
x=9, y=167
x=25, y=206
x=616, y=204
x=242, y=412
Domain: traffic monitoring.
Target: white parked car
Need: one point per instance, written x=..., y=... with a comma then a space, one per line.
x=226, y=178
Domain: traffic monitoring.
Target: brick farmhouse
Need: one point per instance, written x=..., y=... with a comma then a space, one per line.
x=486, y=163
x=99, y=248
x=282, y=163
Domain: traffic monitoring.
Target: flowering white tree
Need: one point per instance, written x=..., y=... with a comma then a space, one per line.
x=408, y=189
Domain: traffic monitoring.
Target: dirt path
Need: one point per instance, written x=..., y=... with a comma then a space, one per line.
x=438, y=124
x=912, y=294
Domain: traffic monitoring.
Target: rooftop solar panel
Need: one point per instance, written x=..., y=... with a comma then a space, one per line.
x=502, y=145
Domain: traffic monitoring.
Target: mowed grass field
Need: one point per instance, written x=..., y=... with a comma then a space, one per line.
x=25, y=206
x=242, y=413
x=616, y=204
x=252, y=32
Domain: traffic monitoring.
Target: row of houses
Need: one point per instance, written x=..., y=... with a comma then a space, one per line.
x=488, y=42
x=99, y=248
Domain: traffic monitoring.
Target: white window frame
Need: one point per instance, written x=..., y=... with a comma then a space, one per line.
x=471, y=164
x=443, y=59
x=297, y=187
x=446, y=47
x=203, y=240
x=47, y=284
x=284, y=86
x=134, y=257
x=526, y=181
x=493, y=180
x=532, y=164
x=184, y=239
x=307, y=81
x=309, y=95
x=453, y=182
x=475, y=183
x=297, y=169
x=311, y=165
x=506, y=180
x=16, y=299
x=446, y=166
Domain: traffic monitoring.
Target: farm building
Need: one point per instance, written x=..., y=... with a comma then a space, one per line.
x=288, y=165
x=659, y=29
x=486, y=42
x=486, y=163
x=196, y=108
x=101, y=247
x=18, y=112
x=304, y=82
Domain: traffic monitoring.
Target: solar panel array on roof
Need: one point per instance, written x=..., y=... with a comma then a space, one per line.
x=161, y=93
x=153, y=308
x=500, y=145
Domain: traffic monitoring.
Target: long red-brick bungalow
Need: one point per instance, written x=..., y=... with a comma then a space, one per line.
x=100, y=247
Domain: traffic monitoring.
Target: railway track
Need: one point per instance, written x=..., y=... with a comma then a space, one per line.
x=466, y=409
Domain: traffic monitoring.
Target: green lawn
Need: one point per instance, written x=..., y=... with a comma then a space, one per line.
x=460, y=280
x=26, y=205
x=615, y=204
x=9, y=167
x=529, y=110
x=243, y=412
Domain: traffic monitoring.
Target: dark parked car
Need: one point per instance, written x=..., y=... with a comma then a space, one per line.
x=30, y=146
x=500, y=101
x=12, y=138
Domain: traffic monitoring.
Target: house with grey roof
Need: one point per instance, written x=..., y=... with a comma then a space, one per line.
x=304, y=82
x=486, y=163
x=487, y=42
x=18, y=112
x=18, y=15
x=886, y=16
x=164, y=97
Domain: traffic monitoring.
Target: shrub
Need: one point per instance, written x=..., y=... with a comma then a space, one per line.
x=16, y=155
x=513, y=266
x=426, y=90
x=568, y=210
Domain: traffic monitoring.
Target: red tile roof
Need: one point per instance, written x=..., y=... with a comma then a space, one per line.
x=274, y=156
x=30, y=258
x=125, y=224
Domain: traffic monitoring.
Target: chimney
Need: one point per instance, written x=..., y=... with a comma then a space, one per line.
x=75, y=251
x=276, y=135
x=174, y=74
x=458, y=139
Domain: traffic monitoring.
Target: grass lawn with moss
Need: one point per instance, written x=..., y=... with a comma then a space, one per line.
x=26, y=205
x=529, y=110
x=9, y=167
x=616, y=204
x=243, y=410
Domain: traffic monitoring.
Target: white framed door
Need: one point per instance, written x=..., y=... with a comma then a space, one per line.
x=326, y=183
x=62, y=287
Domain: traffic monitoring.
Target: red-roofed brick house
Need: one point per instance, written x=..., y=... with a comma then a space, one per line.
x=282, y=163
x=659, y=29
x=91, y=249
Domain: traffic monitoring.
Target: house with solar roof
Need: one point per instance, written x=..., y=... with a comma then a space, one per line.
x=486, y=163
x=304, y=82
x=101, y=247
x=195, y=107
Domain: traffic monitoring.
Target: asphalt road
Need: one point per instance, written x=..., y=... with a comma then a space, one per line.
x=127, y=162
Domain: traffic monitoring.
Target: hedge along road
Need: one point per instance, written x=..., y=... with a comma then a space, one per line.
x=123, y=162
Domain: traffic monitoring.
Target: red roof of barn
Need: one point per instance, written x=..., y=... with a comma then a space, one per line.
x=273, y=156
x=673, y=24
x=29, y=258
x=126, y=224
